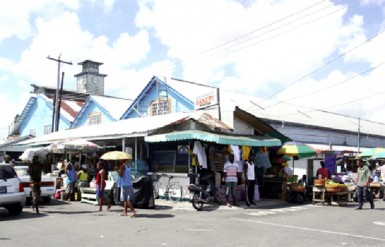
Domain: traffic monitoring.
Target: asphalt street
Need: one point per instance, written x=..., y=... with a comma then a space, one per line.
x=270, y=223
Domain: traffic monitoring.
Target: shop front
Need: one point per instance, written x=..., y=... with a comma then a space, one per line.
x=189, y=154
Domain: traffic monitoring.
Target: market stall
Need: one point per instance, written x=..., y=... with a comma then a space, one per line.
x=334, y=193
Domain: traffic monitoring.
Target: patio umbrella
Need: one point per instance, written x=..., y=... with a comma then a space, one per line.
x=75, y=145
x=297, y=149
x=378, y=156
x=371, y=152
x=29, y=153
x=116, y=155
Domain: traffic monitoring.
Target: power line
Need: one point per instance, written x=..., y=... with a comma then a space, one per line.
x=325, y=64
x=326, y=88
x=216, y=49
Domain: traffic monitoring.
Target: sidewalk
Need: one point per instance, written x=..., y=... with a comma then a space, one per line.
x=264, y=203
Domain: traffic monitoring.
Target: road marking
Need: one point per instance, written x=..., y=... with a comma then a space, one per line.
x=379, y=223
x=277, y=210
x=200, y=230
x=310, y=229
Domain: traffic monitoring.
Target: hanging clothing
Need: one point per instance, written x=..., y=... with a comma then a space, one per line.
x=246, y=152
x=262, y=160
x=236, y=151
x=200, y=153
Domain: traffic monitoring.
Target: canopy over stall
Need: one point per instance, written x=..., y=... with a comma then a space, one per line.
x=220, y=138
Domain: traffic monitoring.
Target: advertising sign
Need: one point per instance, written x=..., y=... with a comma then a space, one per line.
x=208, y=99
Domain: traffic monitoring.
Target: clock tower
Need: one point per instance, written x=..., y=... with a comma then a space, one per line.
x=90, y=80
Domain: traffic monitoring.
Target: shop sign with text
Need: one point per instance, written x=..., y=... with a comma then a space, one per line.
x=207, y=99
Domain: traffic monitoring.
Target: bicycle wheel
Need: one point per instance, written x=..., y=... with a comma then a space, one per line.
x=155, y=189
x=175, y=193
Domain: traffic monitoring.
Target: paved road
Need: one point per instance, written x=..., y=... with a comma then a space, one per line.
x=271, y=223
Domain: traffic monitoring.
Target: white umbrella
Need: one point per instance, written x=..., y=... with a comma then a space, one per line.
x=75, y=145
x=29, y=153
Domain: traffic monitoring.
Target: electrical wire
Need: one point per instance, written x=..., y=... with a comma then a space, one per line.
x=326, y=88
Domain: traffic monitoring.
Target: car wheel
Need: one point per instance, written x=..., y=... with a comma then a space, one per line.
x=15, y=209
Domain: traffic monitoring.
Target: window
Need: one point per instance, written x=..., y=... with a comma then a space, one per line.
x=95, y=118
x=47, y=129
x=160, y=107
x=32, y=132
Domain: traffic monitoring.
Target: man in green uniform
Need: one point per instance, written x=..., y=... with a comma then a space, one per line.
x=35, y=170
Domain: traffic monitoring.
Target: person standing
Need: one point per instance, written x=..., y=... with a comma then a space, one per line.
x=363, y=184
x=35, y=169
x=249, y=169
x=71, y=180
x=382, y=170
x=127, y=194
x=323, y=171
x=231, y=179
x=101, y=185
x=82, y=176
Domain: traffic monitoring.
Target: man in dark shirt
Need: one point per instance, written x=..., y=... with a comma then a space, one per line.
x=35, y=170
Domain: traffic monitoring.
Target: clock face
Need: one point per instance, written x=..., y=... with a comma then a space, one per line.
x=95, y=79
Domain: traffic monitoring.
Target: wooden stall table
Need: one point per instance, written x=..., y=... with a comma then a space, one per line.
x=319, y=194
x=338, y=195
x=338, y=198
x=377, y=189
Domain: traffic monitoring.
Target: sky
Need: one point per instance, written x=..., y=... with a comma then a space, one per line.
x=322, y=54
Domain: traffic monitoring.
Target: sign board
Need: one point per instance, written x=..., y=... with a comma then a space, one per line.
x=207, y=99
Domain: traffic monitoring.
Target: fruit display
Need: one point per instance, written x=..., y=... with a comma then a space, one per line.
x=332, y=186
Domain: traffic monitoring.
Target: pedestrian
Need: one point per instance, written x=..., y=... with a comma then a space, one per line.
x=323, y=172
x=250, y=175
x=100, y=186
x=230, y=178
x=363, y=184
x=382, y=173
x=35, y=169
x=7, y=159
x=71, y=180
x=127, y=194
x=82, y=176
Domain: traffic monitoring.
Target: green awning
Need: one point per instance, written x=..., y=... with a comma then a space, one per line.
x=214, y=137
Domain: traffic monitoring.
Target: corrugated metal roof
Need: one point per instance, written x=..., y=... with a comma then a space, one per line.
x=124, y=128
x=115, y=106
x=68, y=109
x=279, y=111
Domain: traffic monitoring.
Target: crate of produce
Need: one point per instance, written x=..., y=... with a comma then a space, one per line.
x=331, y=188
x=297, y=187
x=319, y=182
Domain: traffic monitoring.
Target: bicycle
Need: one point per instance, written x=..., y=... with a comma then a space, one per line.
x=173, y=190
x=155, y=187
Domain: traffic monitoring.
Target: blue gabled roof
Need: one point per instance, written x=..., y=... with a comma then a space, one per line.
x=146, y=91
x=23, y=114
x=83, y=110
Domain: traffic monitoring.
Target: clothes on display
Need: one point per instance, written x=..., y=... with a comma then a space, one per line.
x=200, y=153
x=262, y=160
x=237, y=152
x=246, y=152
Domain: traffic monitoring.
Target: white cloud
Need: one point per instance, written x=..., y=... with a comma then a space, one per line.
x=255, y=49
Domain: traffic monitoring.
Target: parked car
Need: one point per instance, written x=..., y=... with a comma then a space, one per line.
x=12, y=195
x=47, y=186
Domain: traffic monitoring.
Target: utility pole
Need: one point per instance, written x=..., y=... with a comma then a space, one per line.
x=55, y=115
x=358, y=135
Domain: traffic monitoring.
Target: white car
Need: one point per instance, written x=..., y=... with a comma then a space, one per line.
x=12, y=196
x=47, y=186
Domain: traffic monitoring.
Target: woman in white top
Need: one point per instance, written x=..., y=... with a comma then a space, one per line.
x=249, y=169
